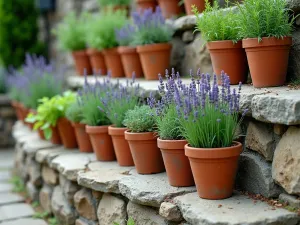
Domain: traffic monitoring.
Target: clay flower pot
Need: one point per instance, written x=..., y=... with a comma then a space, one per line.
x=101, y=142
x=177, y=164
x=146, y=4
x=82, y=62
x=155, y=59
x=24, y=112
x=31, y=125
x=131, y=61
x=200, y=4
x=41, y=134
x=230, y=58
x=55, y=138
x=113, y=62
x=121, y=146
x=17, y=107
x=67, y=133
x=97, y=61
x=268, y=60
x=82, y=137
x=146, y=155
x=169, y=8
x=214, y=169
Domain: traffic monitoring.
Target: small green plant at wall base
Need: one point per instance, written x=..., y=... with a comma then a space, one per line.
x=53, y=221
x=140, y=119
x=130, y=221
x=41, y=215
x=18, y=184
x=217, y=25
x=74, y=113
x=114, y=2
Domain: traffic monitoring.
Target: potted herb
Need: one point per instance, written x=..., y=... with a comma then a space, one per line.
x=170, y=140
x=74, y=114
x=152, y=41
x=199, y=4
x=115, y=5
x=116, y=104
x=169, y=8
x=71, y=37
x=145, y=4
x=209, y=117
x=129, y=56
x=141, y=137
x=266, y=29
x=108, y=22
x=96, y=120
x=221, y=31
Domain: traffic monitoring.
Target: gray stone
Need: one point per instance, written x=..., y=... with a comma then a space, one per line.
x=185, y=23
x=111, y=209
x=90, y=5
x=286, y=166
x=238, y=209
x=9, y=198
x=61, y=208
x=49, y=175
x=44, y=154
x=143, y=215
x=45, y=196
x=25, y=221
x=104, y=176
x=188, y=36
x=85, y=204
x=293, y=5
x=260, y=138
x=83, y=221
x=150, y=190
x=5, y=187
x=177, y=54
x=32, y=191
x=298, y=21
x=292, y=200
x=32, y=146
x=170, y=211
x=34, y=172
x=15, y=211
x=69, y=188
x=255, y=175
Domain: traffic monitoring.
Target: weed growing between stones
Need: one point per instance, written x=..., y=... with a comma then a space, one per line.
x=130, y=221
x=18, y=185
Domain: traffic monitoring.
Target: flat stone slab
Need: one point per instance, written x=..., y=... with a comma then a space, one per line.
x=150, y=190
x=47, y=155
x=15, y=211
x=9, y=198
x=32, y=146
x=25, y=221
x=238, y=209
x=5, y=175
x=70, y=164
x=5, y=187
x=103, y=176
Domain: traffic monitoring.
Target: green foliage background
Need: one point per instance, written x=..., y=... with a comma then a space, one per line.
x=18, y=31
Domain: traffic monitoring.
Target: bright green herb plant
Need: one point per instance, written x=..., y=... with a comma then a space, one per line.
x=216, y=24
x=74, y=113
x=114, y=2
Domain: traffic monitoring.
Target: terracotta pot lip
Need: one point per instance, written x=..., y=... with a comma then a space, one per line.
x=228, y=44
x=116, y=131
x=140, y=136
x=96, y=129
x=153, y=47
x=63, y=119
x=171, y=144
x=79, y=52
x=266, y=41
x=214, y=153
x=127, y=49
x=93, y=51
x=75, y=124
x=110, y=50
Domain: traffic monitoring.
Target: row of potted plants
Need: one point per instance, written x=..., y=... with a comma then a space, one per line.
x=259, y=31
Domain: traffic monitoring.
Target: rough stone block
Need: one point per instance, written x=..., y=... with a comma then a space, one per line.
x=83, y=221
x=292, y=200
x=280, y=129
x=255, y=175
x=170, y=211
x=286, y=166
x=188, y=36
x=49, y=175
x=47, y=155
x=85, y=204
x=34, y=172
x=69, y=188
x=45, y=197
x=32, y=191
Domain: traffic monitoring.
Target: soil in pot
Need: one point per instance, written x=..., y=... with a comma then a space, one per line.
x=268, y=60
x=177, y=164
x=200, y=4
x=67, y=133
x=121, y=146
x=113, y=62
x=155, y=59
x=82, y=137
x=214, y=170
x=146, y=4
x=55, y=138
x=82, y=62
x=131, y=61
x=16, y=106
x=169, y=8
x=146, y=155
x=97, y=61
x=230, y=58
x=101, y=142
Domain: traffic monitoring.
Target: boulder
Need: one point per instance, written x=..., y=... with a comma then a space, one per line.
x=170, y=211
x=85, y=205
x=45, y=197
x=49, y=175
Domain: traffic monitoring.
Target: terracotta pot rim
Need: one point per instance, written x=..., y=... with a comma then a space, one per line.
x=153, y=47
x=110, y=50
x=93, y=51
x=171, y=144
x=228, y=44
x=75, y=124
x=116, y=131
x=214, y=153
x=127, y=49
x=79, y=53
x=266, y=42
x=96, y=129
x=144, y=136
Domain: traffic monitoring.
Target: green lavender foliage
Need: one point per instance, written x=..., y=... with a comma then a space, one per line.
x=114, y=2
x=3, y=87
x=74, y=113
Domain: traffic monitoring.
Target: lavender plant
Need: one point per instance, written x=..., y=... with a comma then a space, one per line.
x=125, y=35
x=113, y=3
x=151, y=28
x=74, y=113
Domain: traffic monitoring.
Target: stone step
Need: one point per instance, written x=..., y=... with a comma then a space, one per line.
x=237, y=210
x=25, y=221
x=9, y=198
x=4, y=175
x=5, y=187
x=15, y=211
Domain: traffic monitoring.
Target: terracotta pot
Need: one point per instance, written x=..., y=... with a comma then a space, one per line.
x=55, y=138
x=31, y=125
x=16, y=106
x=24, y=112
x=83, y=139
x=113, y=62
x=155, y=59
x=41, y=134
x=229, y=57
x=97, y=61
x=177, y=164
x=169, y=8
x=146, y=155
x=214, y=169
x=101, y=142
x=268, y=60
x=200, y=4
x=146, y=4
x=131, y=61
x=82, y=62
x=67, y=133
